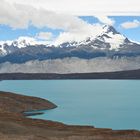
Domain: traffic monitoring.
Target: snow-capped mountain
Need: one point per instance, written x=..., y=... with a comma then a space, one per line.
x=7, y=47
x=109, y=39
x=107, y=51
x=108, y=43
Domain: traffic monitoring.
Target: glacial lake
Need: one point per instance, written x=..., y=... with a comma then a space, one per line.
x=102, y=103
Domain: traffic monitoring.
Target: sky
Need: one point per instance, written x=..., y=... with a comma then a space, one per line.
x=58, y=21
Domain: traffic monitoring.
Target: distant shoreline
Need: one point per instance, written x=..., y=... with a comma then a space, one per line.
x=131, y=74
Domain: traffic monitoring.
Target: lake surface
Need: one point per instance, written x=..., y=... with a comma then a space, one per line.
x=101, y=103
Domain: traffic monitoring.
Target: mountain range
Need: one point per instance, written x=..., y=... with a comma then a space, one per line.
x=109, y=45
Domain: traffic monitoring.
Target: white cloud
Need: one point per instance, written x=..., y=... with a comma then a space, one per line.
x=21, y=15
x=130, y=24
x=59, y=14
x=44, y=35
x=78, y=35
x=105, y=19
x=86, y=7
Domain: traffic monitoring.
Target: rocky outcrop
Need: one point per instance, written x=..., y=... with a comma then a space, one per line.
x=15, y=103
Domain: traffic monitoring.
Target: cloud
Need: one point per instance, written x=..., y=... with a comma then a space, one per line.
x=105, y=19
x=78, y=35
x=44, y=35
x=130, y=24
x=21, y=16
x=56, y=15
x=86, y=7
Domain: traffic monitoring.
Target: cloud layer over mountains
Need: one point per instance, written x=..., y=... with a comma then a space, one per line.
x=24, y=13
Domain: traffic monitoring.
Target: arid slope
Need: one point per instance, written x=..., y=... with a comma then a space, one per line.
x=15, y=126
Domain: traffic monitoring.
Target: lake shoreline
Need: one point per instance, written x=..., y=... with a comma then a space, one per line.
x=16, y=126
x=130, y=74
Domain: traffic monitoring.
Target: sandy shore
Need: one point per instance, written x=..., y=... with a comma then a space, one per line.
x=15, y=126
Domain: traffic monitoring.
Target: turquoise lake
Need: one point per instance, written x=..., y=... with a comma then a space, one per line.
x=102, y=103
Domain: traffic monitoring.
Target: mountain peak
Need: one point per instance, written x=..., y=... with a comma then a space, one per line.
x=7, y=47
x=22, y=42
x=109, y=28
